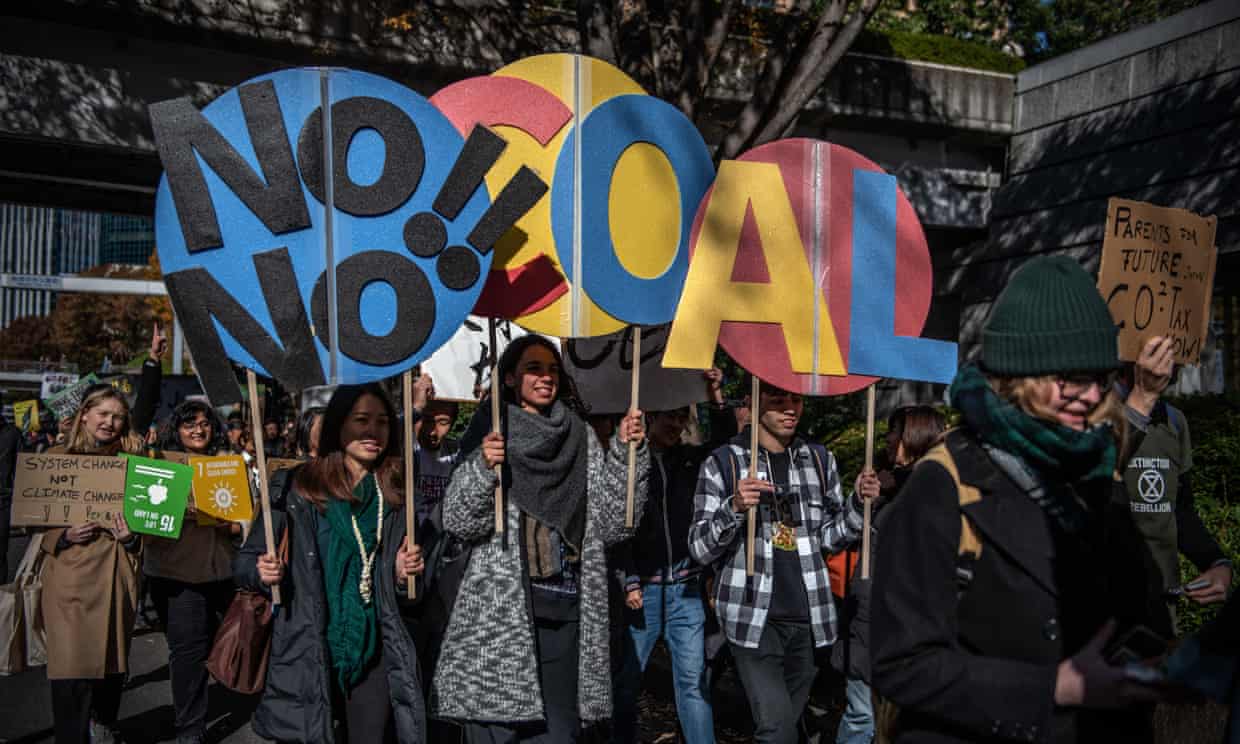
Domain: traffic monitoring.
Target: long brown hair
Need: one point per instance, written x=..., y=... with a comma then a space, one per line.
x=81, y=443
x=918, y=428
x=327, y=476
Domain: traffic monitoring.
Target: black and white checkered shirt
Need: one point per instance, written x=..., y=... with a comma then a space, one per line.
x=717, y=538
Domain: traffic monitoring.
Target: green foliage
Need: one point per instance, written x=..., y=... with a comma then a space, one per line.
x=1216, y=488
x=933, y=48
x=1072, y=24
x=1033, y=29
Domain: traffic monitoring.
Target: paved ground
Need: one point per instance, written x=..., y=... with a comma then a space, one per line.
x=146, y=708
x=147, y=714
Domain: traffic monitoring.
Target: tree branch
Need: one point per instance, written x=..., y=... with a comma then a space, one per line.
x=824, y=51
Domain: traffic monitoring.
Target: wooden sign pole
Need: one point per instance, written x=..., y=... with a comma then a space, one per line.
x=751, y=526
x=406, y=381
x=869, y=465
x=260, y=456
x=637, y=376
x=495, y=427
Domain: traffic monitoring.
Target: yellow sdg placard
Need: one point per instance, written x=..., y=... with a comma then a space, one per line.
x=221, y=488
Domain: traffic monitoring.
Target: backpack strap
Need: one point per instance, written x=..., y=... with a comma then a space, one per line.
x=819, y=453
x=729, y=470
x=969, y=550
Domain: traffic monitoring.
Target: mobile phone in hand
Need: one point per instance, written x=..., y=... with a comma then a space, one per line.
x=1183, y=589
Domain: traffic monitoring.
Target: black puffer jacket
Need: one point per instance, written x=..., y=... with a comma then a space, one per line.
x=296, y=704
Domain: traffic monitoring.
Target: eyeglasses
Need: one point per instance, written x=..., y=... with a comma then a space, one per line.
x=1076, y=384
x=196, y=426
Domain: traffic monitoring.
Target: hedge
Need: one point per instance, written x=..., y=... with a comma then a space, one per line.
x=945, y=50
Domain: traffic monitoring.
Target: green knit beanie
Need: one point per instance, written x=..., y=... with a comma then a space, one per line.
x=1049, y=318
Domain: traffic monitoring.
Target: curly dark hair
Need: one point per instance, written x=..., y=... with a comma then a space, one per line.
x=170, y=438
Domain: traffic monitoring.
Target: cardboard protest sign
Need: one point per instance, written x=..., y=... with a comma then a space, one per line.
x=221, y=487
x=1157, y=275
x=65, y=402
x=313, y=274
x=275, y=464
x=609, y=245
x=601, y=368
x=810, y=268
x=461, y=368
x=156, y=493
x=54, y=382
x=67, y=490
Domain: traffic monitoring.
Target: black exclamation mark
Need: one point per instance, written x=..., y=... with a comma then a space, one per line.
x=425, y=233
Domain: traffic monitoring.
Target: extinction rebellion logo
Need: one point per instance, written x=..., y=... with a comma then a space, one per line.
x=1151, y=485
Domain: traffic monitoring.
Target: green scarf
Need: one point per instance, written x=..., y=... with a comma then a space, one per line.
x=1055, y=451
x=352, y=627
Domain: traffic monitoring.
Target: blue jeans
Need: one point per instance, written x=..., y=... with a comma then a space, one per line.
x=857, y=723
x=675, y=613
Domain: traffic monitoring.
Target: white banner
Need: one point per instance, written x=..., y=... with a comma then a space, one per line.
x=461, y=369
x=54, y=382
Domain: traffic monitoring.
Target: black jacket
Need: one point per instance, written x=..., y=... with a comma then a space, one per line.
x=662, y=537
x=981, y=666
x=296, y=703
x=146, y=402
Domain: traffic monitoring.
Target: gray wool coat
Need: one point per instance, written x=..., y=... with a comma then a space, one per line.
x=487, y=669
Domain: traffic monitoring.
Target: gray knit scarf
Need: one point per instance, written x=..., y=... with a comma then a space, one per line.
x=547, y=459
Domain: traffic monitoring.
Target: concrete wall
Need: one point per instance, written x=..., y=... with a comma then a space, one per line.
x=1152, y=115
x=75, y=80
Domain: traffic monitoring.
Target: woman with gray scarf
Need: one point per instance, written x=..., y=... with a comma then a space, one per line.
x=525, y=656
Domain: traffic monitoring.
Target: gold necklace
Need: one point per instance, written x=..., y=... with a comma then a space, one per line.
x=368, y=562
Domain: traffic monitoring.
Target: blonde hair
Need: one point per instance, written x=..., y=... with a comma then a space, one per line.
x=1032, y=395
x=81, y=443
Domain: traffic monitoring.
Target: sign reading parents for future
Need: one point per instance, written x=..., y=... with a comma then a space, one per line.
x=324, y=226
x=156, y=492
x=67, y=490
x=1157, y=275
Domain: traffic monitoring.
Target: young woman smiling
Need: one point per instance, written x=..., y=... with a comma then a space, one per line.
x=339, y=647
x=191, y=577
x=525, y=656
x=90, y=588
x=90, y=572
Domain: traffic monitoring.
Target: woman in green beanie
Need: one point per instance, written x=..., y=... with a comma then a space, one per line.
x=1008, y=568
x=339, y=647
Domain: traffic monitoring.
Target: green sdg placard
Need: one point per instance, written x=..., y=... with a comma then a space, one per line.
x=156, y=492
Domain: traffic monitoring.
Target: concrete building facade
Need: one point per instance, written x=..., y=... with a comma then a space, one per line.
x=1151, y=115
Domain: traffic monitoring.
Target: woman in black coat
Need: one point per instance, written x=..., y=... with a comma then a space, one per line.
x=339, y=647
x=992, y=602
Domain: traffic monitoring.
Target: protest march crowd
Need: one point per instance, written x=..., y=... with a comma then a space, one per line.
x=1018, y=590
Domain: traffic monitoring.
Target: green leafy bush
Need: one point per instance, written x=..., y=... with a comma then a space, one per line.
x=1216, y=485
x=944, y=50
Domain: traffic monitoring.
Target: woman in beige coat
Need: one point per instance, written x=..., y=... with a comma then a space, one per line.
x=90, y=588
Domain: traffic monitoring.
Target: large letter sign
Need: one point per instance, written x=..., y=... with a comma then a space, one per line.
x=810, y=269
x=609, y=245
x=324, y=226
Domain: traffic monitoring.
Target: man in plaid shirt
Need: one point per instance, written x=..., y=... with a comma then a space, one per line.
x=774, y=620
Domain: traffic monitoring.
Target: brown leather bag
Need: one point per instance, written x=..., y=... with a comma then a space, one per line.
x=242, y=645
